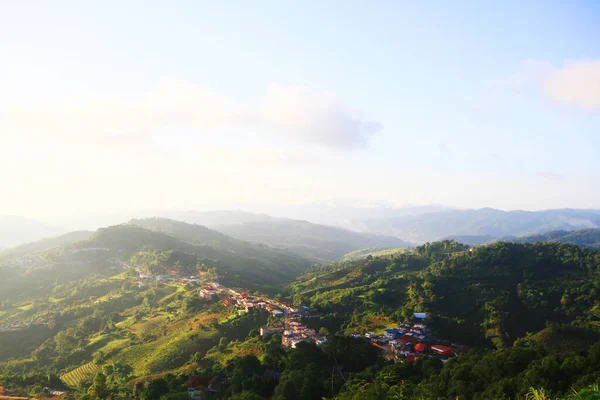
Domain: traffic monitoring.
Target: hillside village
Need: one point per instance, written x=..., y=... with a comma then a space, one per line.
x=408, y=341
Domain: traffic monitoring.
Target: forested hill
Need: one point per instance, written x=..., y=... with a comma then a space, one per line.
x=192, y=233
x=535, y=304
x=181, y=246
x=582, y=238
x=491, y=295
x=307, y=239
x=241, y=264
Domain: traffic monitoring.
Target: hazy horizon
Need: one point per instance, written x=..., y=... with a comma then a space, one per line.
x=203, y=106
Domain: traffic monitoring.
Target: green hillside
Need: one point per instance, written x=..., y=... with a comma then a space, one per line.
x=240, y=264
x=518, y=316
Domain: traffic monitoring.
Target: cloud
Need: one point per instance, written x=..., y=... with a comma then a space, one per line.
x=316, y=117
x=576, y=84
x=289, y=114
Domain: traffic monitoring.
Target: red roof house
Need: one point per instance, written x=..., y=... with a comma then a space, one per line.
x=420, y=347
x=406, y=339
x=443, y=350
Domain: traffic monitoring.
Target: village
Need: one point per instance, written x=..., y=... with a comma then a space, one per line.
x=408, y=341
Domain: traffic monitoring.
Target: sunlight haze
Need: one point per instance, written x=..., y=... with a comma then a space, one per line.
x=116, y=106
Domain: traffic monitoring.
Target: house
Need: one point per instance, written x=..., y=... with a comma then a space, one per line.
x=199, y=387
x=207, y=294
x=270, y=330
x=320, y=341
x=420, y=347
x=441, y=350
x=162, y=278
x=406, y=340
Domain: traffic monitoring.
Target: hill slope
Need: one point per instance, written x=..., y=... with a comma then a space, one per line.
x=245, y=263
x=495, y=293
x=485, y=221
x=308, y=239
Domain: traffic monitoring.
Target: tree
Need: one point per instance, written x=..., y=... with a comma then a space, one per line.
x=223, y=343
x=98, y=389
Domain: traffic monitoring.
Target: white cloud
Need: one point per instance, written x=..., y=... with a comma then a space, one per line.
x=576, y=84
x=290, y=114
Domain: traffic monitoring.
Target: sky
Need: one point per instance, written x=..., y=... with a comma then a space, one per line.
x=109, y=106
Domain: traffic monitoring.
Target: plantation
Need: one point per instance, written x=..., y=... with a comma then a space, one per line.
x=81, y=375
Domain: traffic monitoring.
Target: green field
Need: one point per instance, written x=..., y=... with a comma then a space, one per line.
x=83, y=374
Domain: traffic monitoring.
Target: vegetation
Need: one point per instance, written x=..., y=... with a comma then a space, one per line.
x=526, y=315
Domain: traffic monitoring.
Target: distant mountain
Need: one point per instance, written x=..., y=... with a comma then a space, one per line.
x=309, y=240
x=347, y=213
x=48, y=243
x=216, y=218
x=16, y=230
x=341, y=214
x=485, y=221
x=582, y=238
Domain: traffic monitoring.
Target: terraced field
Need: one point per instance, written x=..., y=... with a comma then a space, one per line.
x=85, y=373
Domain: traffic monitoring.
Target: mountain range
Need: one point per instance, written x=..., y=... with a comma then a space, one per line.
x=376, y=227
x=489, y=222
x=309, y=240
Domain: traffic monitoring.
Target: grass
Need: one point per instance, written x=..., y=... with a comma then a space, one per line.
x=235, y=349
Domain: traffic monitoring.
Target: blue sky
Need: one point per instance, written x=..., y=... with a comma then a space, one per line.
x=472, y=104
